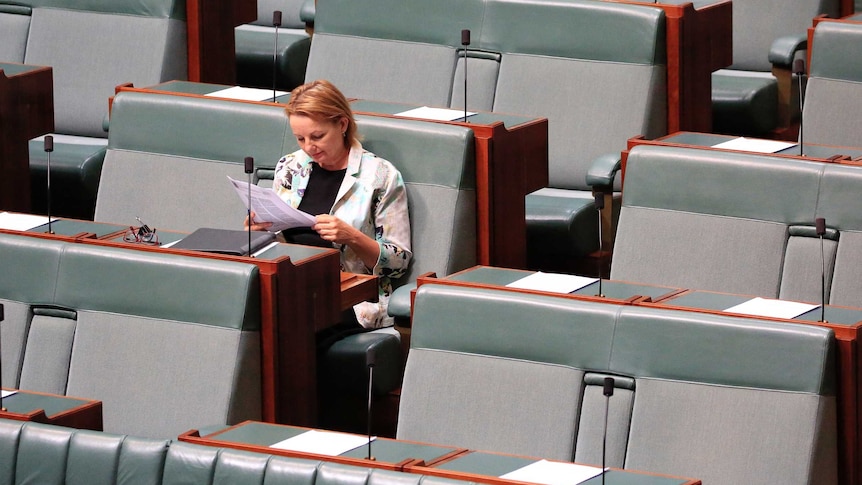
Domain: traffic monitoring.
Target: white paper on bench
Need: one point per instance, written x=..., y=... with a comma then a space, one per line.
x=552, y=282
x=269, y=207
x=22, y=222
x=765, y=307
x=437, y=114
x=327, y=443
x=246, y=94
x=7, y=393
x=553, y=473
x=754, y=145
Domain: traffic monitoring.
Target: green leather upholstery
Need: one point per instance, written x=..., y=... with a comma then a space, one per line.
x=699, y=394
x=53, y=455
x=834, y=83
x=143, y=332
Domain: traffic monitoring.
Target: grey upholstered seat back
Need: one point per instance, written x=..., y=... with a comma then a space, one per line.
x=595, y=70
x=14, y=28
x=289, y=13
x=833, y=97
x=93, y=50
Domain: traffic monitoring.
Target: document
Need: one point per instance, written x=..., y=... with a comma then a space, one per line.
x=246, y=94
x=22, y=222
x=553, y=473
x=268, y=207
x=764, y=307
x=754, y=145
x=5, y=393
x=437, y=114
x=327, y=443
x=552, y=282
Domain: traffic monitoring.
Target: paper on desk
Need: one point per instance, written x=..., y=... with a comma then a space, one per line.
x=246, y=94
x=269, y=207
x=7, y=393
x=553, y=473
x=22, y=222
x=327, y=443
x=754, y=145
x=764, y=307
x=438, y=114
x=552, y=282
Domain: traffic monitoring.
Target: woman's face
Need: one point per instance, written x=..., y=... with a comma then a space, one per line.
x=321, y=139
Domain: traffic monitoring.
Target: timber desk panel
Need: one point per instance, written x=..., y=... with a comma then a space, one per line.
x=406, y=456
x=26, y=111
x=45, y=408
x=298, y=287
x=211, y=41
x=846, y=323
x=511, y=161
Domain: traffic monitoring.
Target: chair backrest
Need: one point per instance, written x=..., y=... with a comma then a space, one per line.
x=834, y=91
x=165, y=342
x=531, y=367
x=289, y=13
x=14, y=26
x=757, y=24
x=95, y=46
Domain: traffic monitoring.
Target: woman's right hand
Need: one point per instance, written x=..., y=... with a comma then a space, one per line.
x=255, y=226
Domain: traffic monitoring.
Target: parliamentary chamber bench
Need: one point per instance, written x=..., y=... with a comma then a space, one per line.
x=166, y=342
x=727, y=399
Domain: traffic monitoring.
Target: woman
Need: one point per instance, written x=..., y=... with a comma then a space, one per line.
x=358, y=198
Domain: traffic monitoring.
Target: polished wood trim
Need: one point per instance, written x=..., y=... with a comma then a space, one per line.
x=84, y=416
x=211, y=43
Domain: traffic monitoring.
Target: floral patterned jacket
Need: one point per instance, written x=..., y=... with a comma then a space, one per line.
x=372, y=198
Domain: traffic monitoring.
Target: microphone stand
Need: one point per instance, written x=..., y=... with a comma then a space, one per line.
x=820, y=226
x=370, y=361
x=249, y=168
x=600, y=205
x=799, y=70
x=2, y=408
x=608, y=391
x=49, y=147
x=276, y=22
x=465, y=41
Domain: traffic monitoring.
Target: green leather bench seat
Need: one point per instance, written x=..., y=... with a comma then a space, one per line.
x=165, y=342
x=756, y=239
x=51, y=455
x=256, y=46
x=726, y=399
x=92, y=47
x=744, y=102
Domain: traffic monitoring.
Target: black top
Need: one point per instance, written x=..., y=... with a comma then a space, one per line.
x=318, y=199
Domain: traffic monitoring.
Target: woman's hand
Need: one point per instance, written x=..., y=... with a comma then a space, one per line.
x=331, y=228
x=256, y=226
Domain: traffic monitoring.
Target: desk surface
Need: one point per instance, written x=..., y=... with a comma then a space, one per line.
x=52, y=409
x=812, y=150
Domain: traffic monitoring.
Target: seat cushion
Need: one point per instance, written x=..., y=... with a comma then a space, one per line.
x=744, y=102
x=255, y=48
x=76, y=166
x=561, y=222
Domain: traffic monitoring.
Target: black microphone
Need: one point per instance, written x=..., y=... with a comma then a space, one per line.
x=799, y=71
x=249, y=168
x=49, y=147
x=820, y=228
x=276, y=22
x=370, y=362
x=608, y=391
x=600, y=205
x=465, y=41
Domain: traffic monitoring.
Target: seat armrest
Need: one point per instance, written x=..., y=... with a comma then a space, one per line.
x=307, y=11
x=603, y=170
x=399, y=302
x=784, y=49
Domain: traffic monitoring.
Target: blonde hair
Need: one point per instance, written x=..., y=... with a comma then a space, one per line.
x=321, y=99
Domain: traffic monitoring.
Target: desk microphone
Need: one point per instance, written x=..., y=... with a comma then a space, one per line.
x=600, y=204
x=465, y=41
x=820, y=228
x=799, y=71
x=249, y=168
x=370, y=361
x=276, y=22
x=49, y=147
x=608, y=391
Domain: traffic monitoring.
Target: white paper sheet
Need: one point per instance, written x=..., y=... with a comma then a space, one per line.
x=246, y=94
x=22, y=222
x=269, y=207
x=553, y=473
x=754, y=145
x=327, y=443
x=552, y=282
x=7, y=393
x=765, y=307
x=438, y=114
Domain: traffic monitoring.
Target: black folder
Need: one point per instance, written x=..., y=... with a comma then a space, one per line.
x=225, y=241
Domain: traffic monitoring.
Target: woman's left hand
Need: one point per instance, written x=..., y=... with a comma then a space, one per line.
x=334, y=229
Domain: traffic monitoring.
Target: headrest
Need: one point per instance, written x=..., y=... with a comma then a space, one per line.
x=174, y=9
x=837, y=51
